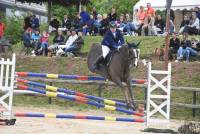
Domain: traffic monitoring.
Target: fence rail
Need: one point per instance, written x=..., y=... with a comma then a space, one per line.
x=194, y=106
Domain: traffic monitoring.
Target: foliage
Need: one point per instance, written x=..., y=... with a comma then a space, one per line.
x=60, y=11
x=14, y=29
x=122, y=6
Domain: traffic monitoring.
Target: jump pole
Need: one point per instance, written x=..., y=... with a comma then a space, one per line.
x=79, y=99
x=71, y=92
x=74, y=77
x=83, y=117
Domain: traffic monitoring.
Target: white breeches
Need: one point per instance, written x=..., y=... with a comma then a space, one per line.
x=105, y=51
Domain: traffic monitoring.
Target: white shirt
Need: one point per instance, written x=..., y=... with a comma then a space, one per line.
x=69, y=42
x=195, y=24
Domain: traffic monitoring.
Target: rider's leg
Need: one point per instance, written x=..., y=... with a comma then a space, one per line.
x=105, y=51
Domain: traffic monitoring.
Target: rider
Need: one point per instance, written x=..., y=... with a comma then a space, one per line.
x=113, y=40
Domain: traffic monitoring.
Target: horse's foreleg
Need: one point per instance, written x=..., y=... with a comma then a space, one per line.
x=131, y=97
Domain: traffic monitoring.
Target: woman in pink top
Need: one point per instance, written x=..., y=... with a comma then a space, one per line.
x=141, y=15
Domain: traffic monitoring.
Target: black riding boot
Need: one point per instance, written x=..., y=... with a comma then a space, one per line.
x=99, y=60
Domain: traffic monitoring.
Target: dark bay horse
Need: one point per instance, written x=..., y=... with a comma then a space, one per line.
x=118, y=69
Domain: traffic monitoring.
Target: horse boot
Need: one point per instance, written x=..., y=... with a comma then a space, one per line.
x=96, y=65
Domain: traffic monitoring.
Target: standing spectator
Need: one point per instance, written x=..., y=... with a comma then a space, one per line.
x=193, y=26
x=84, y=16
x=89, y=27
x=66, y=23
x=94, y=13
x=113, y=15
x=2, y=29
x=27, y=22
x=35, y=24
x=150, y=11
x=184, y=23
x=76, y=22
x=54, y=24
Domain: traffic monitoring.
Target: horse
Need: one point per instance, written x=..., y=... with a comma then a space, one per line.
x=118, y=69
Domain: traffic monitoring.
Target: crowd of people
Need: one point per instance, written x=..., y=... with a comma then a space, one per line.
x=144, y=22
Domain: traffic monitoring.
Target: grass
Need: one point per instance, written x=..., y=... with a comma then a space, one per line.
x=182, y=75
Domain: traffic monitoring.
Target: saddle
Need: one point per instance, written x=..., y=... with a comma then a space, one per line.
x=108, y=58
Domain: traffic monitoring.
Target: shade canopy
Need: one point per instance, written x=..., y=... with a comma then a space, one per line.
x=176, y=4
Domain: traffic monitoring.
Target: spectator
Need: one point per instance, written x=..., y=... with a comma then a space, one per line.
x=174, y=45
x=35, y=37
x=44, y=43
x=35, y=23
x=193, y=26
x=113, y=15
x=2, y=29
x=150, y=11
x=27, y=22
x=184, y=23
x=54, y=24
x=97, y=24
x=185, y=50
x=197, y=10
x=68, y=34
x=147, y=28
x=27, y=38
x=121, y=23
x=104, y=24
x=66, y=23
x=141, y=18
x=158, y=25
x=94, y=13
x=84, y=16
x=88, y=28
x=135, y=15
x=130, y=25
x=69, y=42
x=76, y=45
x=76, y=22
x=59, y=39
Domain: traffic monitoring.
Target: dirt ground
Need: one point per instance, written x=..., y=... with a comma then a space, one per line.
x=26, y=125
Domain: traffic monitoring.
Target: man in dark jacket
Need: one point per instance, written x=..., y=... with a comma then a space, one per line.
x=35, y=23
x=113, y=40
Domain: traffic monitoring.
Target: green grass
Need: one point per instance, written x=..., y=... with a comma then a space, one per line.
x=182, y=75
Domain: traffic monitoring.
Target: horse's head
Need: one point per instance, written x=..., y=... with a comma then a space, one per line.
x=134, y=53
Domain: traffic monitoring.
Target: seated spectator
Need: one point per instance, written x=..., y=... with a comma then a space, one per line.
x=76, y=46
x=104, y=24
x=97, y=24
x=66, y=23
x=184, y=23
x=148, y=25
x=35, y=37
x=113, y=15
x=174, y=45
x=76, y=22
x=121, y=23
x=158, y=25
x=129, y=27
x=54, y=24
x=94, y=13
x=68, y=34
x=35, y=23
x=27, y=38
x=44, y=43
x=185, y=50
x=89, y=27
x=193, y=26
x=197, y=10
x=195, y=44
x=141, y=18
x=68, y=44
x=59, y=39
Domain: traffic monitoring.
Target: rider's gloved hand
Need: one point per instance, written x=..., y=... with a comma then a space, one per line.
x=118, y=48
